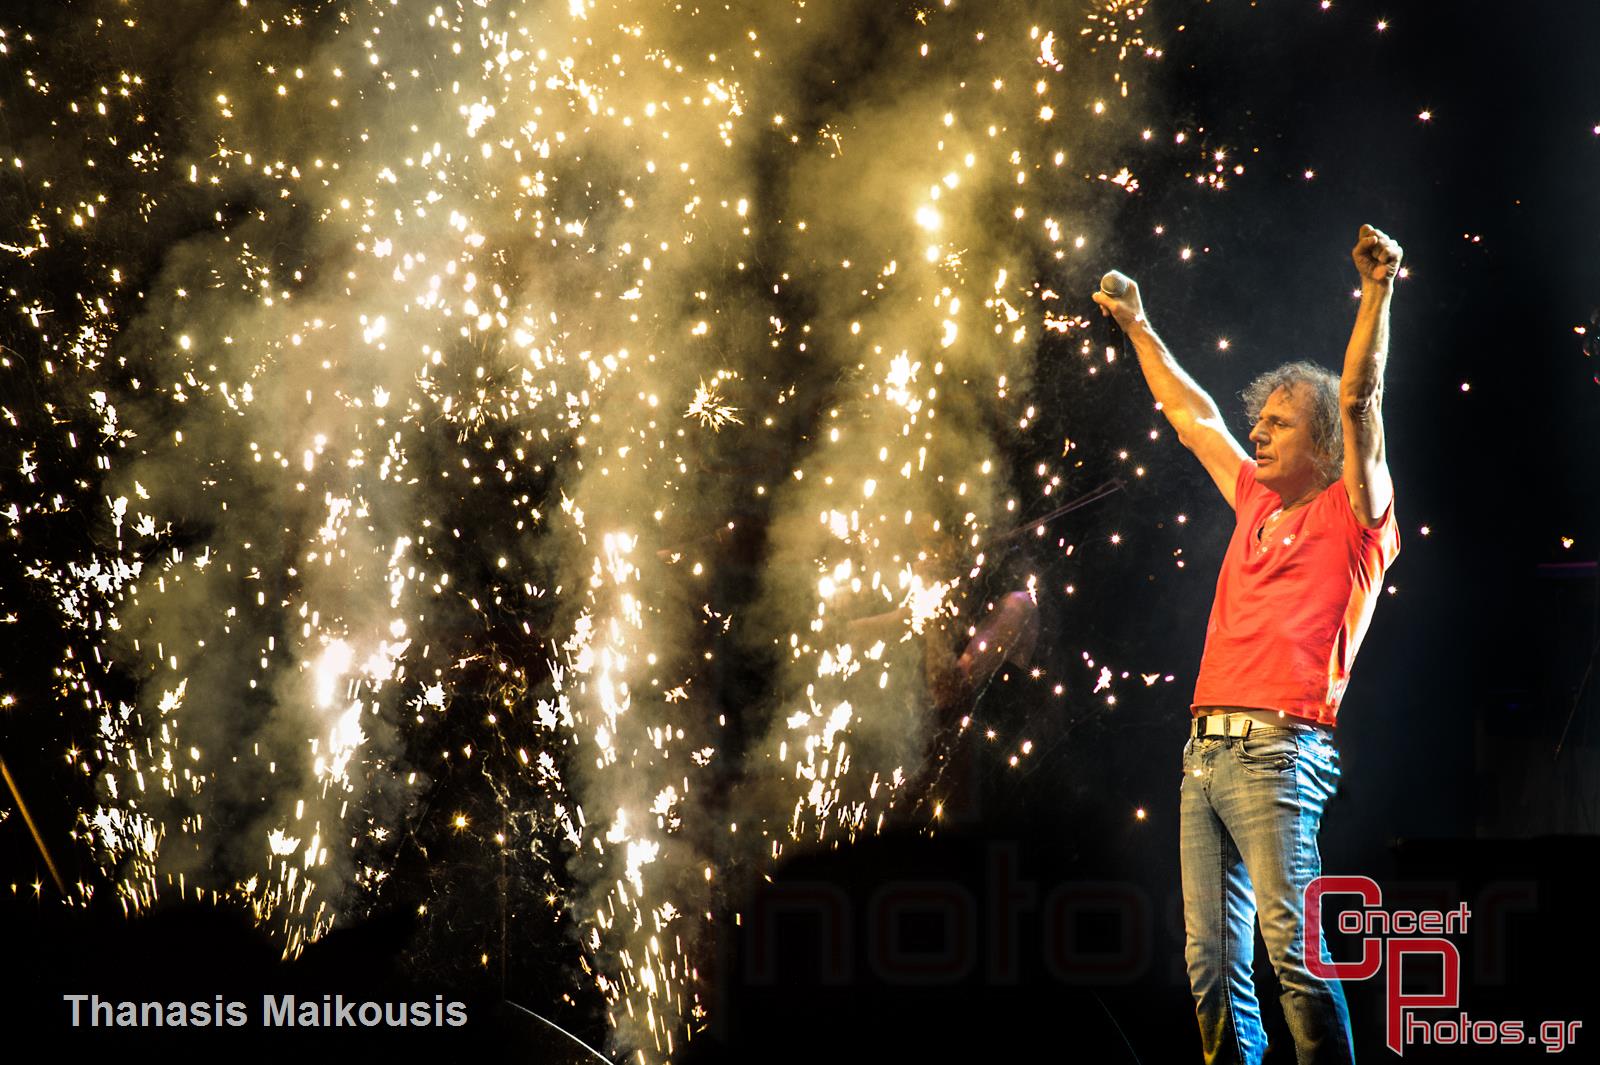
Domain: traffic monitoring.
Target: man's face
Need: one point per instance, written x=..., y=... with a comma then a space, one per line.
x=1286, y=456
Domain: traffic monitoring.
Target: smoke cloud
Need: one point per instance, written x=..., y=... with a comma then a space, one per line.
x=616, y=391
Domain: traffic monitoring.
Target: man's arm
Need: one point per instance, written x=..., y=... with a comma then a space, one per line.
x=1193, y=413
x=1366, y=464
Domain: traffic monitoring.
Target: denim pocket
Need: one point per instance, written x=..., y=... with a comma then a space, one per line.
x=1268, y=751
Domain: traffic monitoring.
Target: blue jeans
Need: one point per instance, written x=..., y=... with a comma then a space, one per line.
x=1249, y=812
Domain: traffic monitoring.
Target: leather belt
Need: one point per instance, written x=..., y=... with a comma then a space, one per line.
x=1237, y=725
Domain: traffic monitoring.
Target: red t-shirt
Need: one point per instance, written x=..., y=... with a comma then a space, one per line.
x=1290, y=611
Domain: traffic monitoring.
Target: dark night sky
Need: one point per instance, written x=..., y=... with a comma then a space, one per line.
x=1470, y=669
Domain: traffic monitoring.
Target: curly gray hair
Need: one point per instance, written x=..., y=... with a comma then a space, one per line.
x=1321, y=387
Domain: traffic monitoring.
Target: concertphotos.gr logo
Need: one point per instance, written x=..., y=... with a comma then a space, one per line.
x=1391, y=936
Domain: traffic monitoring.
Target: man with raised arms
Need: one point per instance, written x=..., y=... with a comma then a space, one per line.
x=1314, y=532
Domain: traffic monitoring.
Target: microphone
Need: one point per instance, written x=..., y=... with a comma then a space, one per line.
x=1115, y=284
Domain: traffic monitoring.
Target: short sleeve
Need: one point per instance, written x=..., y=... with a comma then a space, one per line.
x=1385, y=538
x=1387, y=535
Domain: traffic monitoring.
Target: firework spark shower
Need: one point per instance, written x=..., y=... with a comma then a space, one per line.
x=474, y=388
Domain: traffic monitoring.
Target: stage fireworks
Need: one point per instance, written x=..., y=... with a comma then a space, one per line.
x=471, y=390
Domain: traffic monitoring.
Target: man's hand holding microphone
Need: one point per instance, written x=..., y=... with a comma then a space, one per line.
x=1119, y=298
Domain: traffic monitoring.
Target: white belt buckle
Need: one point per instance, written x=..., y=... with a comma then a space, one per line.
x=1236, y=725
